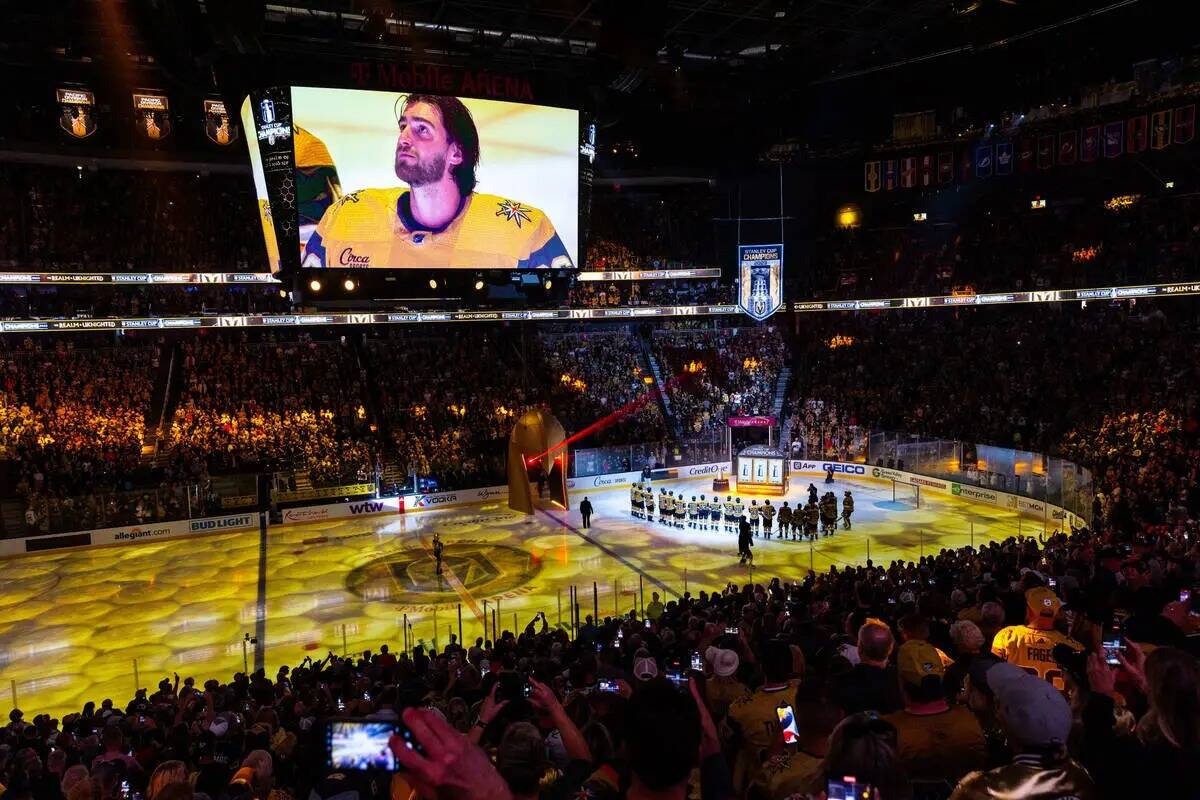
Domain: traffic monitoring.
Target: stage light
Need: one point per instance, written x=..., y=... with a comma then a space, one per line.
x=283, y=293
x=433, y=283
x=479, y=285
x=1169, y=185
x=349, y=284
x=315, y=285
x=920, y=216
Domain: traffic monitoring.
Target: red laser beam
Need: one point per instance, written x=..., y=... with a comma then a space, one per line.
x=608, y=420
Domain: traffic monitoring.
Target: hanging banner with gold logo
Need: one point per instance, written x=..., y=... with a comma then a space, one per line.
x=760, y=279
x=153, y=117
x=78, y=111
x=218, y=127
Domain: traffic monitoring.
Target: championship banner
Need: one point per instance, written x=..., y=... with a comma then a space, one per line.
x=1045, y=151
x=983, y=161
x=77, y=115
x=1004, y=158
x=1114, y=142
x=1135, y=140
x=153, y=115
x=1185, y=124
x=1090, y=151
x=218, y=126
x=760, y=279
x=871, y=176
x=946, y=166
x=1068, y=147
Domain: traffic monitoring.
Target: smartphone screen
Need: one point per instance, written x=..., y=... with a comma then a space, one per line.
x=697, y=661
x=608, y=686
x=733, y=631
x=363, y=745
x=647, y=623
x=1112, y=646
x=787, y=724
x=846, y=789
x=679, y=678
x=1185, y=595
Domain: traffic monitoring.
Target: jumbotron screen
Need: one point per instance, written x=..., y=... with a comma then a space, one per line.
x=353, y=179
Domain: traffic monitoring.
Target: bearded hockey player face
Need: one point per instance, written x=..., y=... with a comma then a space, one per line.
x=424, y=152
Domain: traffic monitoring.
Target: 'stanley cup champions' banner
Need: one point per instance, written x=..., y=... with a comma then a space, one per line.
x=760, y=279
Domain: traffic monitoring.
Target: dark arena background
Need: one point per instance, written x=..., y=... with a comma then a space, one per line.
x=479, y=399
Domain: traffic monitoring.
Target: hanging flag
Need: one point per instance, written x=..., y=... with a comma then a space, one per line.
x=218, y=127
x=1045, y=151
x=1160, y=129
x=1185, y=124
x=927, y=169
x=871, y=176
x=983, y=161
x=1025, y=154
x=1090, y=150
x=1004, y=158
x=153, y=114
x=1135, y=139
x=1068, y=147
x=77, y=109
x=889, y=174
x=946, y=166
x=908, y=172
x=1113, y=139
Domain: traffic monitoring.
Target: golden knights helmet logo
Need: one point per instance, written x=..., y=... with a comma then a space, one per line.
x=760, y=279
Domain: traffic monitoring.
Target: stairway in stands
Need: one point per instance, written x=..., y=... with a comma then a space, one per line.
x=165, y=394
x=777, y=409
x=656, y=371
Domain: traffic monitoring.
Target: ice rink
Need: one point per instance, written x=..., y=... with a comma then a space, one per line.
x=78, y=625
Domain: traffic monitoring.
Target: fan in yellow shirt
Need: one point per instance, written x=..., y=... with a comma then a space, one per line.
x=1031, y=646
x=438, y=220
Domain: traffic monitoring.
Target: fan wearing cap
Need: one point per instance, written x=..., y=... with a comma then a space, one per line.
x=936, y=741
x=1031, y=646
x=1037, y=721
x=723, y=687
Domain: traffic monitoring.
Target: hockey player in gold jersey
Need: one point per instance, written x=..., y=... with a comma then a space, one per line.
x=438, y=220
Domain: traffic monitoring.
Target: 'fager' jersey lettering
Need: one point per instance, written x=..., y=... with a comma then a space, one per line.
x=376, y=228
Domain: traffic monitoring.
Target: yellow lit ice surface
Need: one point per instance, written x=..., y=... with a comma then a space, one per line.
x=79, y=625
